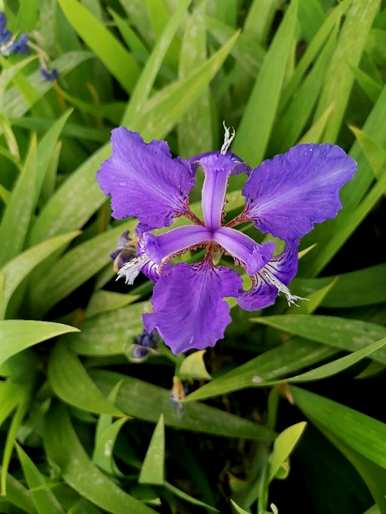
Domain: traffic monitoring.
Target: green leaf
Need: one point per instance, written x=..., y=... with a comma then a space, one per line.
x=27, y=15
x=17, y=216
x=106, y=434
x=346, y=334
x=15, y=424
x=153, y=466
x=194, y=130
x=65, y=370
x=338, y=365
x=110, y=333
x=10, y=396
x=18, y=495
x=16, y=105
x=348, y=222
x=104, y=301
x=63, y=448
x=259, y=18
x=166, y=107
x=73, y=269
x=186, y=497
x=147, y=401
x=193, y=367
x=354, y=289
x=42, y=496
x=362, y=433
x=280, y=361
x=17, y=269
x=298, y=112
x=374, y=476
x=351, y=44
x=259, y=115
x=17, y=335
x=237, y=509
x=46, y=149
x=74, y=202
x=146, y=80
x=283, y=446
x=331, y=21
x=110, y=51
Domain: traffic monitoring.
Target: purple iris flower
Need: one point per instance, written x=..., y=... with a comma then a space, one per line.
x=285, y=196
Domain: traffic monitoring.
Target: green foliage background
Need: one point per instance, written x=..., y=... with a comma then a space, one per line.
x=84, y=430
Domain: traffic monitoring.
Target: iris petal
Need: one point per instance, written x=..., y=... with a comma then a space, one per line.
x=272, y=279
x=144, y=180
x=288, y=194
x=217, y=168
x=174, y=241
x=189, y=310
x=251, y=254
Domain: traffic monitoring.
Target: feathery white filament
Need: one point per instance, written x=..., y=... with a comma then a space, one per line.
x=229, y=136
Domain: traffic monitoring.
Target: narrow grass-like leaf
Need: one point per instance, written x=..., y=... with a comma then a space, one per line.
x=10, y=439
x=153, y=466
x=74, y=202
x=355, y=289
x=373, y=475
x=17, y=335
x=194, y=130
x=374, y=153
x=186, y=497
x=283, y=447
x=298, y=112
x=259, y=115
x=17, y=216
x=348, y=222
x=8, y=73
x=338, y=365
x=46, y=148
x=128, y=34
x=15, y=104
x=166, y=107
x=313, y=49
x=348, y=53
x=105, y=439
x=346, y=334
x=104, y=301
x=63, y=448
x=247, y=52
x=110, y=51
x=259, y=18
x=42, y=496
x=72, y=270
x=147, y=401
x=65, y=370
x=146, y=80
x=315, y=132
x=17, y=269
x=110, y=333
x=18, y=495
x=364, y=434
x=370, y=86
x=27, y=15
x=281, y=361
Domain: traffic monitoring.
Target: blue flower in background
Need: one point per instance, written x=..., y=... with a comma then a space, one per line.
x=47, y=74
x=9, y=44
x=284, y=196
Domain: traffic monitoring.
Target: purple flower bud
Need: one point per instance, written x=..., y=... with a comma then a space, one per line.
x=20, y=46
x=49, y=75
